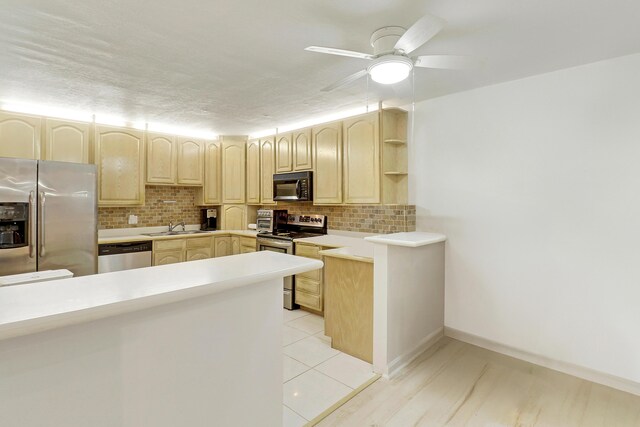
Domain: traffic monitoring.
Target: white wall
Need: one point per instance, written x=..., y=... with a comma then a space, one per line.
x=536, y=182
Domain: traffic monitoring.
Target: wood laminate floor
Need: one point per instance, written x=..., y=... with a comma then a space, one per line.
x=458, y=384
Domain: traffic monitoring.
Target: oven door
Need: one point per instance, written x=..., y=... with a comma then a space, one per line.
x=282, y=246
x=285, y=247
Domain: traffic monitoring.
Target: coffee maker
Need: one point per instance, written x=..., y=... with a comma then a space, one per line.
x=209, y=219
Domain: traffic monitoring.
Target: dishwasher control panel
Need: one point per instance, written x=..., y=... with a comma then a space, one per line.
x=124, y=256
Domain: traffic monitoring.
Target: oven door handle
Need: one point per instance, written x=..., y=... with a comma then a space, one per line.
x=269, y=242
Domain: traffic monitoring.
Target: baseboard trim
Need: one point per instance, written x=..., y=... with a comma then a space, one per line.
x=557, y=365
x=402, y=361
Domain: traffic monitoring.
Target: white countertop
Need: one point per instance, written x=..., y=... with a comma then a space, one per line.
x=119, y=235
x=411, y=239
x=31, y=308
x=347, y=247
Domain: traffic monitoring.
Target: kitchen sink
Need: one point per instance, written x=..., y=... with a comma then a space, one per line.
x=175, y=233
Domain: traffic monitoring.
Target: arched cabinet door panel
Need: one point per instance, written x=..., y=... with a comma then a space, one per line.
x=20, y=136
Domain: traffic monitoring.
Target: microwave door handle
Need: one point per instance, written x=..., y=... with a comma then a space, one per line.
x=298, y=190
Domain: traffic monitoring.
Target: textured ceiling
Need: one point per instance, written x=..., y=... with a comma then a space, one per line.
x=239, y=66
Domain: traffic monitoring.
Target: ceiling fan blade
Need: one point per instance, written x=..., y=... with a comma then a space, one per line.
x=352, y=78
x=447, y=62
x=341, y=52
x=420, y=33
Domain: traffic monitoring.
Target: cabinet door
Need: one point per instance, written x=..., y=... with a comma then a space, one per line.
x=253, y=172
x=223, y=246
x=199, y=253
x=190, y=161
x=361, y=159
x=120, y=160
x=161, y=159
x=284, y=153
x=233, y=170
x=67, y=141
x=211, y=192
x=235, y=245
x=234, y=217
x=168, y=257
x=327, y=180
x=267, y=169
x=302, y=152
x=20, y=136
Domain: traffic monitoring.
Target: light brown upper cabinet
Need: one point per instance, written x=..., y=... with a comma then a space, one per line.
x=302, y=150
x=361, y=139
x=233, y=217
x=174, y=160
x=67, y=141
x=20, y=136
x=211, y=191
x=253, y=172
x=119, y=156
x=190, y=161
x=284, y=153
x=233, y=169
x=161, y=159
x=267, y=169
x=327, y=158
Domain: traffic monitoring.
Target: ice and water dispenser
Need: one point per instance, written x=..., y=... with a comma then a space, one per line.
x=14, y=225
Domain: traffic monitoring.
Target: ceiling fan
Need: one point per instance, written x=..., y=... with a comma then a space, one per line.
x=390, y=61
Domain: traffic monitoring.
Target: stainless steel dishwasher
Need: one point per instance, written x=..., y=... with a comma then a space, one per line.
x=123, y=256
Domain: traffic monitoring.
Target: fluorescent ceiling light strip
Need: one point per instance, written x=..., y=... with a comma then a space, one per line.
x=83, y=116
x=177, y=130
x=43, y=110
x=262, y=133
x=317, y=120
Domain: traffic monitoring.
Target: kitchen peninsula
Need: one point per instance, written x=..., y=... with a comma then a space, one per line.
x=183, y=344
x=384, y=295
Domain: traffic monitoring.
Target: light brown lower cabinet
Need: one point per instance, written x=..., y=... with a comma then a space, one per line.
x=223, y=246
x=169, y=251
x=172, y=251
x=309, y=285
x=348, y=306
x=247, y=244
x=235, y=245
x=199, y=248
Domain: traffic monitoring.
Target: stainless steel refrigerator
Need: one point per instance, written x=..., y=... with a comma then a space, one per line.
x=48, y=217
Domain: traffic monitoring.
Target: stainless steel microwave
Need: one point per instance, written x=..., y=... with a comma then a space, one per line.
x=293, y=186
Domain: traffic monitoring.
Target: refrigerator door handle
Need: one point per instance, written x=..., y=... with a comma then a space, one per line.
x=32, y=243
x=43, y=250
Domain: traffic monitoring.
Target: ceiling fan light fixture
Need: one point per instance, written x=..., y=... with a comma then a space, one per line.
x=390, y=69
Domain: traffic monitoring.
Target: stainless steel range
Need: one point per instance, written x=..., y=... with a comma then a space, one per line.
x=297, y=227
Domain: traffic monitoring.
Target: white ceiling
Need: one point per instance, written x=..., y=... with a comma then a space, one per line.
x=239, y=66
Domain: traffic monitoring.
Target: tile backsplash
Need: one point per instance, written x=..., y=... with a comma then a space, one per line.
x=156, y=211
x=361, y=218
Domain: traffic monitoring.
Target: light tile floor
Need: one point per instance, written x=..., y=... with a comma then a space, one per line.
x=315, y=375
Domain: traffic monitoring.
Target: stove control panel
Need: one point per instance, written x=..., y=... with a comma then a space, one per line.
x=308, y=220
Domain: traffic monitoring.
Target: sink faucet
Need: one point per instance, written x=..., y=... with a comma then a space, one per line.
x=172, y=226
